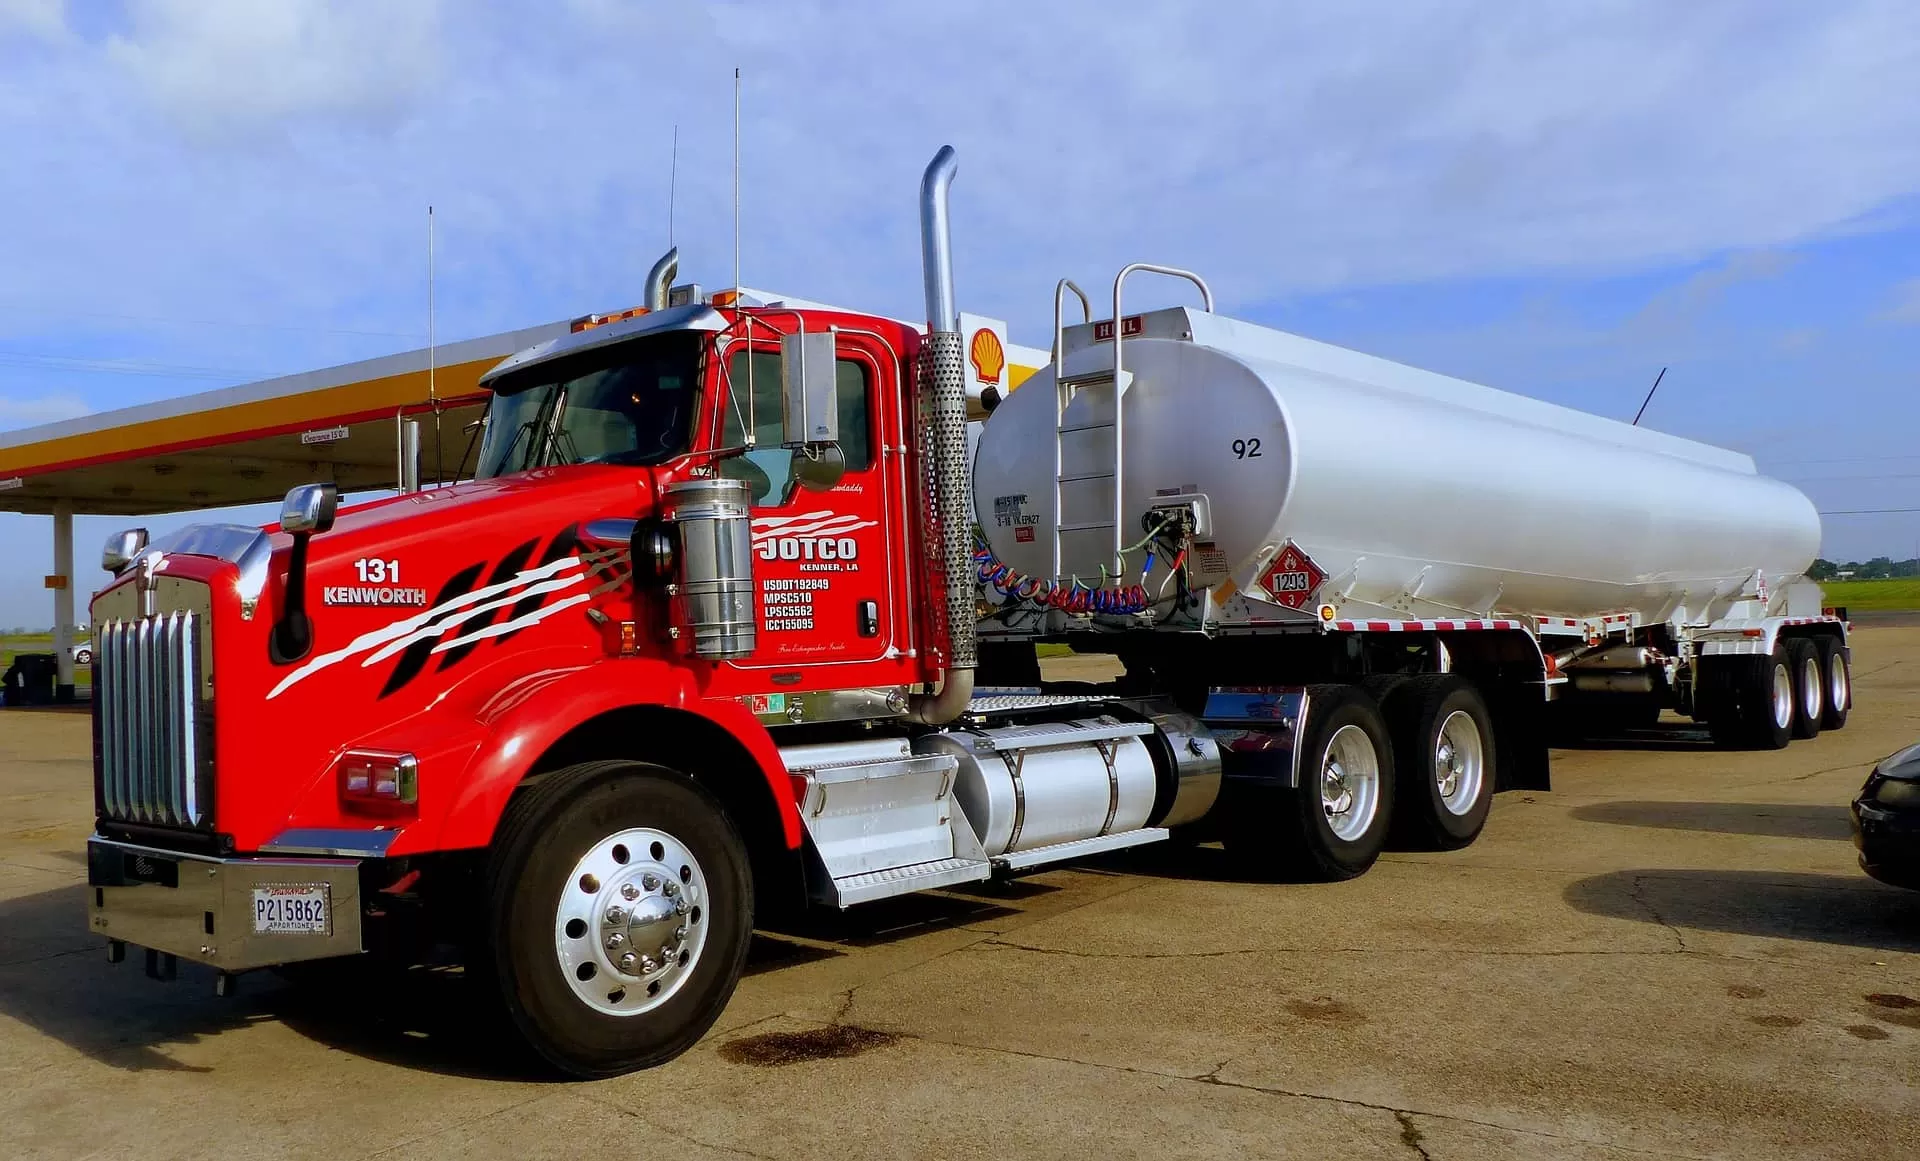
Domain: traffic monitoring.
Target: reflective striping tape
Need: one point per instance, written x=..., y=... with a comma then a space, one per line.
x=1422, y=626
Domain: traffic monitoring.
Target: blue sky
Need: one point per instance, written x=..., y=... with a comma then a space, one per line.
x=1557, y=199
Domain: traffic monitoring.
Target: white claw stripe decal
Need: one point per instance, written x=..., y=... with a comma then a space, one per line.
x=443, y=618
x=821, y=523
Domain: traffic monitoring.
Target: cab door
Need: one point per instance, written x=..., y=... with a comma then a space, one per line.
x=825, y=562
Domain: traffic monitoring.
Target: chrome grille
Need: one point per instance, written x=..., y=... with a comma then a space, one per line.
x=155, y=764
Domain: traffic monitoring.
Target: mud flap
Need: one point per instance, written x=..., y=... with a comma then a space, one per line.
x=1520, y=736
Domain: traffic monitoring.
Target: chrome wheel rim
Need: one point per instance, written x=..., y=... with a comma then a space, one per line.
x=1841, y=682
x=1810, y=682
x=1349, y=782
x=1782, y=696
x=630, y=924
x=1459, y=762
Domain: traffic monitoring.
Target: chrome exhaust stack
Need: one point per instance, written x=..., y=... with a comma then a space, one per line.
x=943, y=433
x=660, y=278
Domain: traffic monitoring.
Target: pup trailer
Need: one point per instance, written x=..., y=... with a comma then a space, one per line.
x=733, y=621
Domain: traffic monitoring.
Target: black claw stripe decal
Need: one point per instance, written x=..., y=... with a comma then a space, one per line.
x=516, y=595
x=414, y=659
x=509, y=565
x=563, y=545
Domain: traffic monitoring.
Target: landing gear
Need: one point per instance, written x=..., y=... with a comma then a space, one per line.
x=1443, y=753
x=1334, y=823
x=620, y=907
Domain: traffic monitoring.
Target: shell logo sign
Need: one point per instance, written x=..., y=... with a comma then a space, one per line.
x=988, y=356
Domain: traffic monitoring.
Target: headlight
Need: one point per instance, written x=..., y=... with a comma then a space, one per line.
x=1905, y=764
x=1902, y=795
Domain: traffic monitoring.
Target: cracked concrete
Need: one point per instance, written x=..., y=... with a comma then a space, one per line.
x=1668, y=956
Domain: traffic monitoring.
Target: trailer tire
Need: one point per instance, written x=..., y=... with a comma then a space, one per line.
x=1837, y=674
x=1809, y=687
x=1443, y=759
x=578, y=845
x=1346, y=758
x=1767, y=700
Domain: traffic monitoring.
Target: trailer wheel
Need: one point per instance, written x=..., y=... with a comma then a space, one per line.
x=1766, y=694
x=620, y=905
x=1334, y=824
x=1809, y=688
x=1443, y=756
x=1837, y=674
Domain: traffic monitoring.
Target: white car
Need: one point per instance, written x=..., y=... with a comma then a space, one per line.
x=82, y=652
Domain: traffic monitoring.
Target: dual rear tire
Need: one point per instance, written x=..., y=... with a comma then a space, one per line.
x=1763, y=702
x=1416, y=764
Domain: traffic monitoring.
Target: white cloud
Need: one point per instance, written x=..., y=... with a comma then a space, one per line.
x=16, y=413
x=40, y=19
x=238, y=66
x=1278, y=149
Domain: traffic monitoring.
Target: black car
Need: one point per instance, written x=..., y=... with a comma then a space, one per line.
x=1886, y=820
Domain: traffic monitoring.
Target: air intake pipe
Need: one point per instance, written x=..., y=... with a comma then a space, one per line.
x=943, y=427
x=661, y=277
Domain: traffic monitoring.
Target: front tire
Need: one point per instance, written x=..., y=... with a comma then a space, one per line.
x=1333, y=825
x=1443, y=755
x=620, y=907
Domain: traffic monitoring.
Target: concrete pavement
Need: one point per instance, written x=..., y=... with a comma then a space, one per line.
x=1671, y=954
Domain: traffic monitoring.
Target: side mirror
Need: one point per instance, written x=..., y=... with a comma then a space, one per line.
x=122, y=549
x=809, y=407
x=818, y=468
x=309, y=508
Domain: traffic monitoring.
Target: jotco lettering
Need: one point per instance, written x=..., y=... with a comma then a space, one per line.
x=809, y=548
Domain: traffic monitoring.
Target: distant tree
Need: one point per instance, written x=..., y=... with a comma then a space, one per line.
x=1879, y=568
x=1822, y=569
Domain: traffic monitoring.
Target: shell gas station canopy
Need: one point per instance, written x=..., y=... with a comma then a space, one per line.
x=249, y=444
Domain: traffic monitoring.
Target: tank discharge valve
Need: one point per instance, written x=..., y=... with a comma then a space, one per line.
x=715, y=598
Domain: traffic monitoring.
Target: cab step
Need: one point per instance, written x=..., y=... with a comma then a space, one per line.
x=871, y=885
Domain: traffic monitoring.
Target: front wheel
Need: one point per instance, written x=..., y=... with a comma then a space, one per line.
x=620, y=910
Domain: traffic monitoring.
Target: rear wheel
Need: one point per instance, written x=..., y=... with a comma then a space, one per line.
x=1838, y=675
x=1334, y=823
x=1766, y=700
x=620, y=908
x=1443, y=757
x=1809, y=687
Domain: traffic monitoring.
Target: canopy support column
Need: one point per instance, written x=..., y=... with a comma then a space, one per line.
x=62, y=583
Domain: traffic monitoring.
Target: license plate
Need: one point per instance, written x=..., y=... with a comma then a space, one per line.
x=291, y=910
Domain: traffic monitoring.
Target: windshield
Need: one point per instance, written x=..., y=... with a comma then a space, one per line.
x=632, y=403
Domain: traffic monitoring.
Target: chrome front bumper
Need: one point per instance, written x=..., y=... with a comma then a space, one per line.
x=200, y=908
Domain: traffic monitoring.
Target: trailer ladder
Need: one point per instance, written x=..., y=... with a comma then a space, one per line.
x=1116, y=380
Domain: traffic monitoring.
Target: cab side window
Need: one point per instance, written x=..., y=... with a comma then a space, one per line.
x=769, y=467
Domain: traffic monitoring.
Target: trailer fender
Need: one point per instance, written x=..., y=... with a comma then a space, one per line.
x=531, y=723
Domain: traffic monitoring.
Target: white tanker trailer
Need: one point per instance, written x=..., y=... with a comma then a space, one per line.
x=1340, y=564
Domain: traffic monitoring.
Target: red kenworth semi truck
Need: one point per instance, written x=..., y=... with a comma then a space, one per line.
x=728, y=624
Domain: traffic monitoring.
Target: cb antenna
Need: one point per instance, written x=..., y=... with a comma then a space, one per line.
x=1649, y=398
x=433, y=395
x=673, y=180
x=736, y=184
